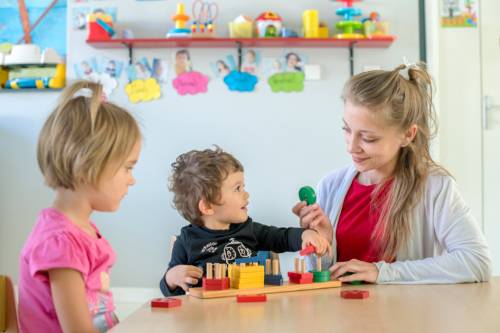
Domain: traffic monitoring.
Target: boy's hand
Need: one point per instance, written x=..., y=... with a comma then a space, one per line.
x=183, y=276
x=313, y=217
x=312, y=237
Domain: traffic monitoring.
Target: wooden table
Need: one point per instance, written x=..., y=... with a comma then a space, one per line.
x=470, y=308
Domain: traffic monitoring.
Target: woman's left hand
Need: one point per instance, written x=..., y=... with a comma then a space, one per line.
x=361, y=271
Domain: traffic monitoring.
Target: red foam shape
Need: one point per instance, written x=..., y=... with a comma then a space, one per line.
x=310, y=249
x=354, y=294
x=251, y=298
x=168, y=302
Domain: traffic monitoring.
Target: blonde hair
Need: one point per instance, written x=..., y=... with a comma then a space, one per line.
x=83, y=136
x=198, y=175
x=402, y=102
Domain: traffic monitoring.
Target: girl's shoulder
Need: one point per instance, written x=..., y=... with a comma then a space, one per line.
x=53, y=228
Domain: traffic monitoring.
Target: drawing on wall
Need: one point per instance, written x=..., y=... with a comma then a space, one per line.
x=459, y=14
x=222, y=66
x=285, y=73
x=187, y=80
x=159, y=70
x=40, y=22
x=251, y=61
x=104, y=70
x=80, y=18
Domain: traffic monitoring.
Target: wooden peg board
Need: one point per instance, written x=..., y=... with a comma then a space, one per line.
x=268, y=289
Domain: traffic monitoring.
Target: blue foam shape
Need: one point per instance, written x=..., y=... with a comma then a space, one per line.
x=240, y=81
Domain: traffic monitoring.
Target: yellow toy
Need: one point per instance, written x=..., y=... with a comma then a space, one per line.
x=58, y=81
x=241, y=27
x=180, y=18
x=310, y=21
x=246, y=277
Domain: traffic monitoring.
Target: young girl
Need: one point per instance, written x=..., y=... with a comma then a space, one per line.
x=395, y=216
x=86, y=152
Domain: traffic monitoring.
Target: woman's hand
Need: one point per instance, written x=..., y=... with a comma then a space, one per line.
x=313, y=217
x=183, y=276
x=361, y=271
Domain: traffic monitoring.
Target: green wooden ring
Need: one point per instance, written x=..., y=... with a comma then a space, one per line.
x=307, y=194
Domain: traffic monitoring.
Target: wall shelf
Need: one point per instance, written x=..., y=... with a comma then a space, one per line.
x=381, y=42
x=130, y=44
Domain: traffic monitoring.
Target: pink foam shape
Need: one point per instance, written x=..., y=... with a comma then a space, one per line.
x=190, y=83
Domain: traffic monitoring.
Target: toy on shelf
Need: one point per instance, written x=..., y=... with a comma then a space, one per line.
x=241, y=27
x=25, y=67
x=100, y=26
x=168, y=302
x=299, y=275
x=348, y=25
x=269, y=24
x=272, y=273
x=323, y=30
x=251, y=298
x=288, y=33
x=204, y=15
x=374, y=28
x=310, y=22
x=180, y=18
x=216, y=278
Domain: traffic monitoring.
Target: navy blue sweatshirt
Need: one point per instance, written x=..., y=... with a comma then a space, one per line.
x=198, y=245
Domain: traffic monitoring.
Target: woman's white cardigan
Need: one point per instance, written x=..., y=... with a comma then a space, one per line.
x=446, y=244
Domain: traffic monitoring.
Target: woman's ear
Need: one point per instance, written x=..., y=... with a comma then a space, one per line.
x=205, y=208
x=409, y=135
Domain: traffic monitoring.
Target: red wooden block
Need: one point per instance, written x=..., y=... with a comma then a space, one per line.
x=251, y=298
x=310, y=249
x=354, y=294
x=165, y=302
x=300, y=278
x=215, y=284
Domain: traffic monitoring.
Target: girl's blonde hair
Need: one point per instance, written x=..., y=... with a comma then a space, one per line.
x=401, y=101
x=83, y=136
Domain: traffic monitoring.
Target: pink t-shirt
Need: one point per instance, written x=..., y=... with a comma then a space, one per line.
x=55, y=242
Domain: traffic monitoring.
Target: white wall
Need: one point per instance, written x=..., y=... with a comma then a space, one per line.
x=283, y=140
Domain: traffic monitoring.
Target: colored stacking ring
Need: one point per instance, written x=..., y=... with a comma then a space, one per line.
x=321, y=276
x=307, y=194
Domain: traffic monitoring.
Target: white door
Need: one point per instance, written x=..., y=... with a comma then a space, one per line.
x=490, y=53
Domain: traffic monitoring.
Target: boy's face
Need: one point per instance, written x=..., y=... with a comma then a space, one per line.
x=234, y=200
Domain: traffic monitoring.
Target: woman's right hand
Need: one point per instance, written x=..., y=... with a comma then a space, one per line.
x=183, y=276
x=313, y=217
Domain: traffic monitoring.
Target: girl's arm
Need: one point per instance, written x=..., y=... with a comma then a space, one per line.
x=68, y=294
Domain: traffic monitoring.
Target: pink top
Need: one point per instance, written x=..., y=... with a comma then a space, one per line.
x=55, y=242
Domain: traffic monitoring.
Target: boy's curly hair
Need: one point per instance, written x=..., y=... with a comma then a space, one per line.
x=197, y=175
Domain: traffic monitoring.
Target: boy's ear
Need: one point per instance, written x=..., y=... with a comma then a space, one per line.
x=205, y=208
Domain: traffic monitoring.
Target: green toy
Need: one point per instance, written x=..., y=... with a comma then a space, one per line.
x=307, y=194
x=321, y=276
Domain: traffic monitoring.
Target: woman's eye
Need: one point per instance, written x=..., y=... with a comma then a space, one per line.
x=369, y=140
